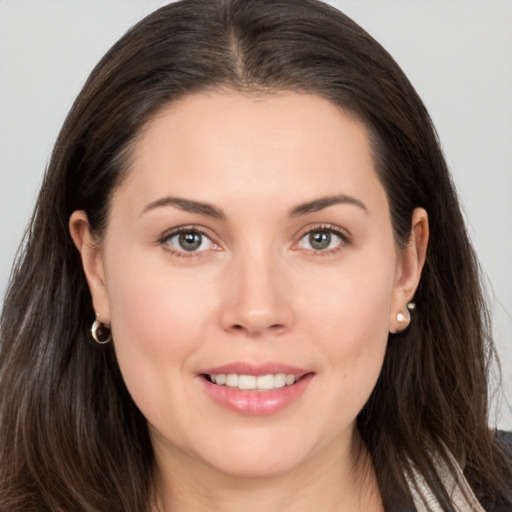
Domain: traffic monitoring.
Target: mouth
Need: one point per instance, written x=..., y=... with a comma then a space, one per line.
x=255, y=390
x=247, y=382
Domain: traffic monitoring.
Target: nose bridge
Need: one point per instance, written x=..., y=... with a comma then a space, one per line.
x=257, y=301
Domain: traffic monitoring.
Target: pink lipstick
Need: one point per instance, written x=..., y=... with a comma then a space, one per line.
x=255, y=389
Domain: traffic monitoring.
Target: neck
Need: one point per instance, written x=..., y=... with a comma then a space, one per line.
x=328, y=482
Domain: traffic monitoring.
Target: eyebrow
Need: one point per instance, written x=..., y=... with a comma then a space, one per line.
x=209, y=210
x=324, y=202
x=187, y=205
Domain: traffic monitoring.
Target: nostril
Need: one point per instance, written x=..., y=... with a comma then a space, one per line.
x=273, y=328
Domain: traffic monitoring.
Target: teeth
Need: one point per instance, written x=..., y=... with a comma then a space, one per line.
x=266, y=382
x=232, y=380
x=246, y=382
x=290, y=379
x=260, y=383
x=280, y=380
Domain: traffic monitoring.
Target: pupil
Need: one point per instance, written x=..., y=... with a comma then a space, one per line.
x=190, y=241
x=320, y=239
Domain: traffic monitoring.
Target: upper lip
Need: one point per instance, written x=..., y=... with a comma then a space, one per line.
x=256, y=369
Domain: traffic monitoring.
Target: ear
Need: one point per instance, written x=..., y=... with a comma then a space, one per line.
x=409, y=267
x=92, y=262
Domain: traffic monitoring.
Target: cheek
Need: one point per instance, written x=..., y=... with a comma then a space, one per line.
x=352, y=309
x=350, y=323
x=158, y=323
x=152, y=308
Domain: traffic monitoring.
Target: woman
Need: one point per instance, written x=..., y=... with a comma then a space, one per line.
x=247, y=284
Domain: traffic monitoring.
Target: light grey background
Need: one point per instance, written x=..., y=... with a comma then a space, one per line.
x=457, y=53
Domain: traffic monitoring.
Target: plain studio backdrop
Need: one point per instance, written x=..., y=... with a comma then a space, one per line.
x=457, y=53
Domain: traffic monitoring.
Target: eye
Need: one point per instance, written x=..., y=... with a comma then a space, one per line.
x=189, y=241
x=321, y=240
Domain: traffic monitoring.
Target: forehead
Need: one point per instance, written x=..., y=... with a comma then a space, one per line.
x=228, y=144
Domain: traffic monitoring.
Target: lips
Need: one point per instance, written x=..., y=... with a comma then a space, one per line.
x=255, y=390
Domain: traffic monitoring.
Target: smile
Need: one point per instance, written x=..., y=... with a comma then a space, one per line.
x=255, y=390
x=252, y=382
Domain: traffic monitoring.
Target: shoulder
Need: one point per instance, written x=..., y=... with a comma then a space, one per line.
x=506, y=438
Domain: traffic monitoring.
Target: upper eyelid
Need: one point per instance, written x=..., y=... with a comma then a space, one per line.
x=343, y=233
x=188, y=228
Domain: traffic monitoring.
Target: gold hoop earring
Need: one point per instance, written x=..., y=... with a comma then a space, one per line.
x=100, y=332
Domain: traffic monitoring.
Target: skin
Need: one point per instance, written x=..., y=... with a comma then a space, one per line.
x=257, y=291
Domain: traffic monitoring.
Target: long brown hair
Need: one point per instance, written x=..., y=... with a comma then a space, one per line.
x=72, y=438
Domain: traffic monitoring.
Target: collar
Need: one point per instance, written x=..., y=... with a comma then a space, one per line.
x=454, y=482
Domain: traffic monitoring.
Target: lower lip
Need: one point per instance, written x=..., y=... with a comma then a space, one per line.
x=253, y=402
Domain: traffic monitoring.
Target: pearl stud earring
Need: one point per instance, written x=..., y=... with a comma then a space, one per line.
x=404, y=318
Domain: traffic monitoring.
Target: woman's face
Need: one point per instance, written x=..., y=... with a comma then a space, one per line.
x=250, y=247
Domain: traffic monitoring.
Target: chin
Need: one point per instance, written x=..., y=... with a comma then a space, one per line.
x=262, y=456
x=263, y=467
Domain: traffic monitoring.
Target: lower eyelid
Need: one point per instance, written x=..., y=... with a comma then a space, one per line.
x=164, y=240
x=342, y=235
x=340, y=242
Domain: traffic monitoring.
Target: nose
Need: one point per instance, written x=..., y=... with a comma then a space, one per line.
x=257, y=297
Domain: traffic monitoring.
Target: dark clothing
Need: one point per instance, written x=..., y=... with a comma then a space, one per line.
x=505, y=437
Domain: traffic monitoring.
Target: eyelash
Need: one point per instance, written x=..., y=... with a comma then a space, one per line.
x=328, y=228
x=164, y=240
